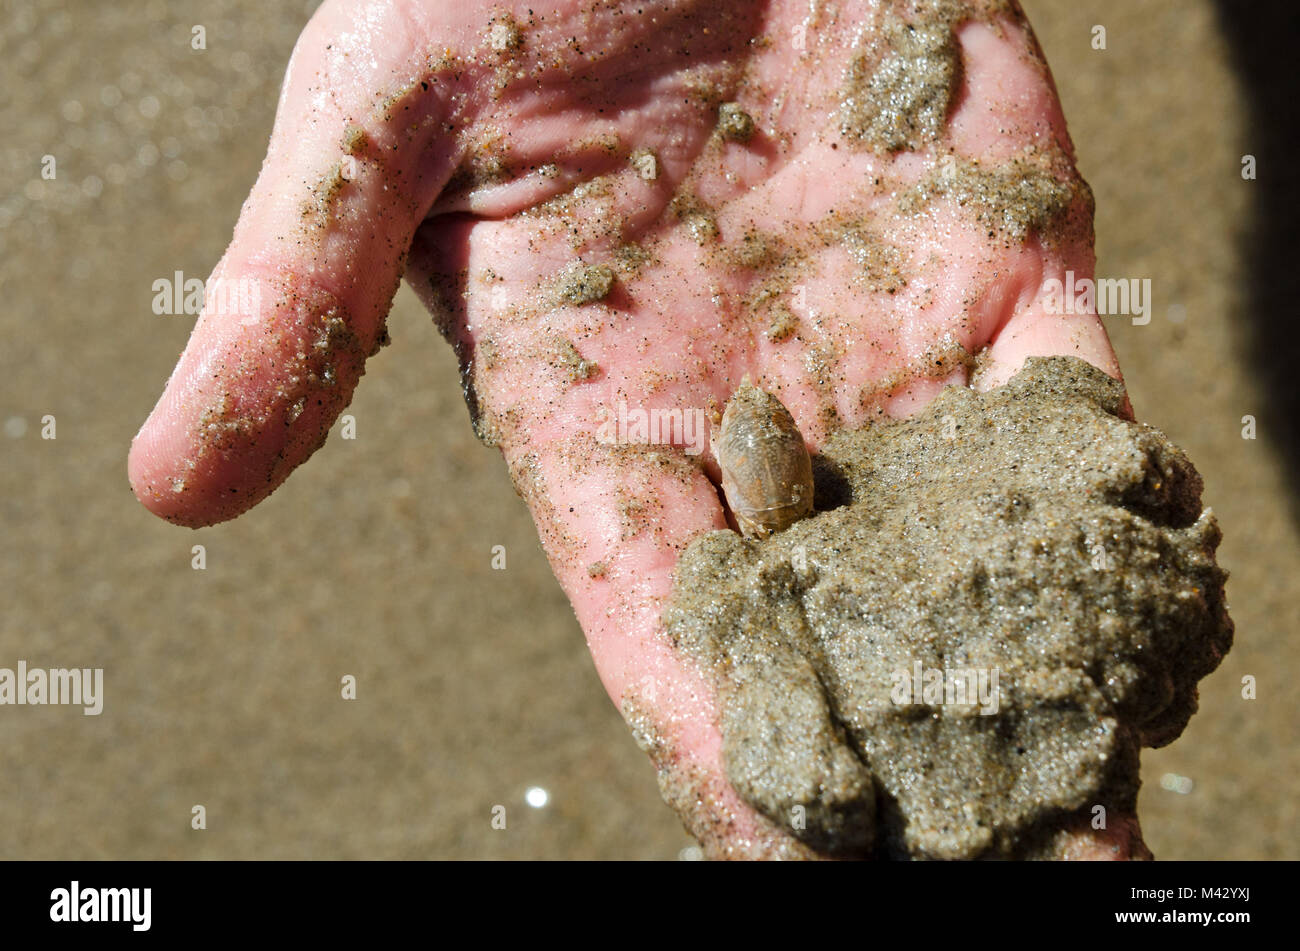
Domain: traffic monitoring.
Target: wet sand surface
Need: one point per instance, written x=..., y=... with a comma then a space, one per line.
x=222, y=685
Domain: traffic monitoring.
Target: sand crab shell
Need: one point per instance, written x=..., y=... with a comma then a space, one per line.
x=766, y=470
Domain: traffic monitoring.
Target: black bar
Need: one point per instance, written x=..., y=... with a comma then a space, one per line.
x=337, y=899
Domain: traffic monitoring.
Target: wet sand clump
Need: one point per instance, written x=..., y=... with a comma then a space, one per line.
x=576, y=368
x=734, y=123
x=997, y=604
x=1010, y=201
x=903, y=77
x=897, y=98
x=582, y=283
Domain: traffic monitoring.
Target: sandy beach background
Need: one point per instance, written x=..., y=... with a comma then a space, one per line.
x=222, y=685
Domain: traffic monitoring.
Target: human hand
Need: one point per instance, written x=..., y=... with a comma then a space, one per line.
x=639, y=202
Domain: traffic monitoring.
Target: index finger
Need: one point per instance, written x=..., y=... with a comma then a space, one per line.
x=360, y=149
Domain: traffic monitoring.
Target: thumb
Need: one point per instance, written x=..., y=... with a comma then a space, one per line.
x=299, y=299
x=613, y=520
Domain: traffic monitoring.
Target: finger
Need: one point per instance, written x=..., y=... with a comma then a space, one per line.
x=297, y=303
x=1035, y=332
x=1009, y=103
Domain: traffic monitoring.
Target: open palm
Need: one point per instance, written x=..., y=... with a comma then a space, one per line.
x=631, y=204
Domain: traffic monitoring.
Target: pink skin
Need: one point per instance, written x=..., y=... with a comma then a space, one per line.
x=675, y=335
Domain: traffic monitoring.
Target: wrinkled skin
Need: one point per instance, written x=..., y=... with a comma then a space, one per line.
x=252, y=397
